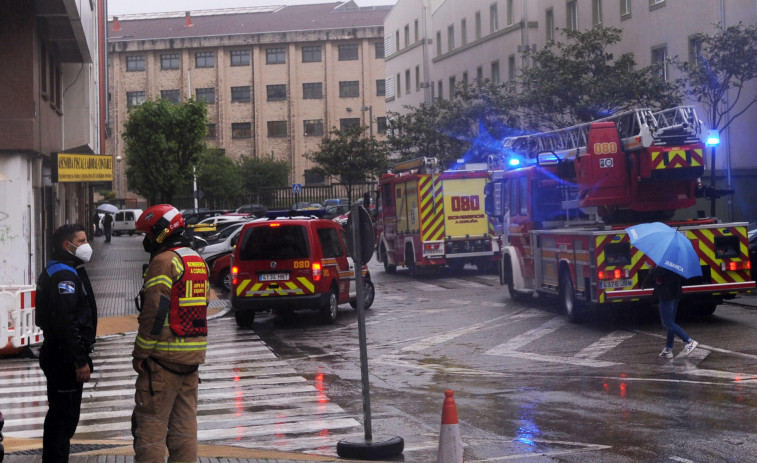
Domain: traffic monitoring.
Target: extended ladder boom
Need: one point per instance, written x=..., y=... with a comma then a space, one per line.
x=638, y=128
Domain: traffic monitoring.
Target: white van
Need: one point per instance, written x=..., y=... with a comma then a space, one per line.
x=125, y=221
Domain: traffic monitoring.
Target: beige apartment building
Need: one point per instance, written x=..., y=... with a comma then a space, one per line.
x=433, y=44
x=276, y=79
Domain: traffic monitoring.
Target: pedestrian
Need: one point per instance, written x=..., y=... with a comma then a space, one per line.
x=96, y=224
x=67, y=313
x=108, y=226
x=171, y=341
x=668, y=289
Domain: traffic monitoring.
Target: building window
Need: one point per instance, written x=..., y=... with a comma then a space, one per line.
x=348, y=52
x=241, y=130
x=277, y=129
x=396, y=40
x=170, y=95
x=596, y=12
x=438, y=43
x=407, y=81
x=312, y=91
x=349, y=89
x=169, y=61
x=659, y=59
x=275, y=55
x=495, y=71
x=276, y=92
x=240, y=94
x=311, y=54
x=572, y=16
x=625, y=8
x=493, y=19
x=450, y=38
x=381, y=124
x=313, y=128
x=417, y=77
x=415, y=27
x=134, y=99
x=451, y=87
x=379, y=50
x=349, y=123
x=695, y=52
x=205, y=59
x=654, y=4
x=479, y=73
x=240, y=57
x=463, y=33
x=407, y=35
x=135, y=63
x=440, y=89
x=211, y=135
x=313, y=177
x=465, y=77
x=477, y=24
x=511, y=68
x=380, y=87
x=510, y=12
x=549, y=24
x=208, y=95
x=398, y=86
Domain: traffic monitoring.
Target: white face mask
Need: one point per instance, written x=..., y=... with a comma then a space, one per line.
x=83, y=252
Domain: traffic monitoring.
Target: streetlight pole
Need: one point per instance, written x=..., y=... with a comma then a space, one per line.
x=118, y=176
x=713, y=139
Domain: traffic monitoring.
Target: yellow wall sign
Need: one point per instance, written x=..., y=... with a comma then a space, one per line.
x=84, y=168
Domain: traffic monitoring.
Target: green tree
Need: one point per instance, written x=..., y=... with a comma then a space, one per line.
x=579, y=81
x=261, y=174
x=219, y=178
x=163, y=144
x=725, y=61
x=349, y=157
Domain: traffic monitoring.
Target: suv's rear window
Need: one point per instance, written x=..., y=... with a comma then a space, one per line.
x=279, y=242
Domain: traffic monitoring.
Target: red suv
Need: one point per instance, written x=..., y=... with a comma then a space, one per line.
x=289, y=264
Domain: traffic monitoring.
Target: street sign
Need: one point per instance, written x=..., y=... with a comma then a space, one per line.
x=296, y=187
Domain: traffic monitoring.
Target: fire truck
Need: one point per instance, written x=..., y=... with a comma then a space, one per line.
x=565, y=206
x=429, y=218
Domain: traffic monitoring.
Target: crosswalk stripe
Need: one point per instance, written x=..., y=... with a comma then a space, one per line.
x=247, y=397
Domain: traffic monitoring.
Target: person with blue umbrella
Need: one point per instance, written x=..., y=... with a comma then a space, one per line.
x=675, y=261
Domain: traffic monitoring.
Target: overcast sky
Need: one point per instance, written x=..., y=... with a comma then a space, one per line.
x=117, y=7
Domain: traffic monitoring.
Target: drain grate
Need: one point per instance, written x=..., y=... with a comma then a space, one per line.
x=75, y=448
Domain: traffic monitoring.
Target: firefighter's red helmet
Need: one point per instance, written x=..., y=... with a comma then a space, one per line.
x=160, y=221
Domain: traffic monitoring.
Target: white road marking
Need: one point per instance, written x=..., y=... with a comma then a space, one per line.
x=448, y=336
x=528, y=337
x=604, y=344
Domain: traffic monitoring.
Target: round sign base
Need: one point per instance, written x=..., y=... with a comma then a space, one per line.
x=378, y=448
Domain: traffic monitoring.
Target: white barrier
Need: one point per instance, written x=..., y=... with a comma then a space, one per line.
x=17, y=310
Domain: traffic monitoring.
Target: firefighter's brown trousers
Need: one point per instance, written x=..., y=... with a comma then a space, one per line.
x=165, y=415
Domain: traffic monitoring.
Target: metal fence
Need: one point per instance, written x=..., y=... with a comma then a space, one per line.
x=281, y=198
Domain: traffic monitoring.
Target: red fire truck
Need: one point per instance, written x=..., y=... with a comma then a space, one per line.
x=564, y=209
x=429, y=219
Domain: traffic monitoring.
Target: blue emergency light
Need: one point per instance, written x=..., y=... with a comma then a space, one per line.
x=514, y=162
x=713, y=138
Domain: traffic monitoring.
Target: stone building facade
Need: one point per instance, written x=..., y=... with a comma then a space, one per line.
x=276, y=79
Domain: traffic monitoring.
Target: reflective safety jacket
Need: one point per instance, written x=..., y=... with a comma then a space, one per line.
x=176, y=279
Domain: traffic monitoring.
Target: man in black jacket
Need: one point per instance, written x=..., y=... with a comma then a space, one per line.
x=67, y=314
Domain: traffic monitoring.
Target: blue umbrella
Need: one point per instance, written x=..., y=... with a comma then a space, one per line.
x=666, y=247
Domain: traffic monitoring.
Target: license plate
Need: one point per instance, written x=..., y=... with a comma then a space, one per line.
x=274, y=277
x=626, y=282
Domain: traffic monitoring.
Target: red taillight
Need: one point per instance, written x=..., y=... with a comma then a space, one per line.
x=317, y=273
x=735, y=266
x=234, y=273
x=275, y=224
x=615, y=274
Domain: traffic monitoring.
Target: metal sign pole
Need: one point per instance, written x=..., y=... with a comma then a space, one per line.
x=361, y=322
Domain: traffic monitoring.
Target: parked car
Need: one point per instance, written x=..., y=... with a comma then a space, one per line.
x=291, y=264
x=258, y=210
x=195, y=217
x=125, y=221
x=220, y=272
x=336, y=211
x=215, y=250
x=335, y=202
x=306, y=206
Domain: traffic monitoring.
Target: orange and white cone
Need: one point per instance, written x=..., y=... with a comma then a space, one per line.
x=450, y=443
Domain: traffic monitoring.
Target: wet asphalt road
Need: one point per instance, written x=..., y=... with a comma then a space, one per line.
x=528, y=385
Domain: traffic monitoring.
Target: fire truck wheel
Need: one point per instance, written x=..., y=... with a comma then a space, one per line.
x=514, y=295
x=410, y=262
x=244, y=319
x=388, y=268
x=568, y=298
x=370, y=294
x=330, y=311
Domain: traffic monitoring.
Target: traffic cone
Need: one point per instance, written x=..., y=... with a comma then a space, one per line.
x=450, y=443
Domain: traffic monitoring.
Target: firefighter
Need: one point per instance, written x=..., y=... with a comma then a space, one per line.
x=171, y=340
x=67, y=313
